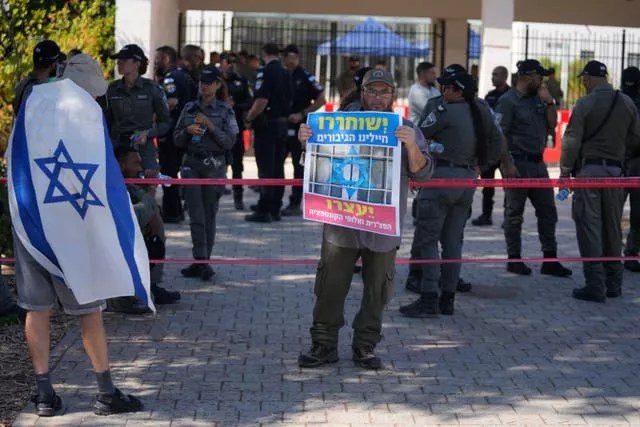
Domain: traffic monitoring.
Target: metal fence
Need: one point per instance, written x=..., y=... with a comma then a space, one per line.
x=568, y=52
x=250, y=33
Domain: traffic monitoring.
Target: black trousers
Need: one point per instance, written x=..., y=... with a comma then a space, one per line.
x=488, y=192
x=295, y=148
x=170, y=158
x=237, y=167
x=269, y=146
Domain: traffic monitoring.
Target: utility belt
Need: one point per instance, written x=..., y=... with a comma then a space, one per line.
x=440, y=163
x=526, y=157
x=209, y=158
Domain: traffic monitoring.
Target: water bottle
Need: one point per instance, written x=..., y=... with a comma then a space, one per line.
x=161, y=176
x=436, y=147
x=197, y=139
x=563, y=194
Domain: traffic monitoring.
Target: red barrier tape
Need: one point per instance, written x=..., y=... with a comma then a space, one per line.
x=631, y=182
x=234, y=261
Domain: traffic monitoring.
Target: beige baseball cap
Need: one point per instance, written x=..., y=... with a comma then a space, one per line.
x=86, y=73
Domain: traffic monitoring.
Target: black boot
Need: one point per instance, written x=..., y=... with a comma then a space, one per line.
x=319, y=355
x=586, y=294
x=446, y=303
x=162, y=296
x=554, y=268
x=425, y=306
x=463, y=285
x=518, y=267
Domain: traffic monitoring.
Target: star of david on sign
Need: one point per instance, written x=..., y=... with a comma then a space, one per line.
x=353, y=159
x=80, y=195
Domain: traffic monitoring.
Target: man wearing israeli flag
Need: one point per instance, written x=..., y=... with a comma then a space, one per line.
x=76, y=239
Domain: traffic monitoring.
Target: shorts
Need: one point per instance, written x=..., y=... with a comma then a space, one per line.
x=39, y=290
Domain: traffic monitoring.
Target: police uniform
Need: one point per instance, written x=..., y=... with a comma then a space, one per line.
x=415, y=270
x=595, y=145
x=270, y=135
x=631, y=80
x=205, y=159
x=442, y=212
x=492, y=99
x=177, y=83
x=240, y=92
x=306, y=89
x=524, y=122
x=134, y=110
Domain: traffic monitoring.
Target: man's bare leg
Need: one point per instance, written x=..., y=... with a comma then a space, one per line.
x=37, y=333
x=94, y=340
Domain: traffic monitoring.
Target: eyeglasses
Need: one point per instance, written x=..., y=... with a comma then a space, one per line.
x=374, y=92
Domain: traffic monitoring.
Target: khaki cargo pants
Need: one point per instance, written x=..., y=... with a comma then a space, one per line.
x=333, y=280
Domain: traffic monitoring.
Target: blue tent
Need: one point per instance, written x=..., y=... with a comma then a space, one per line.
x=372, y=38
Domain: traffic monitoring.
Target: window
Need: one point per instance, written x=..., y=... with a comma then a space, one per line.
x=633, y=60
x=587, y=55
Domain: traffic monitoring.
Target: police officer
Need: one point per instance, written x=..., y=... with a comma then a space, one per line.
x=207, y=128
x=499, y=79
x=308, y=96
x=240, y=98
x=631, y=88
x=151, y=225
x=471, y=140
x=179, y=89
x=526, y=113
x=133, y=102
x=604, y=127
x=269, y=119
x=415, y=270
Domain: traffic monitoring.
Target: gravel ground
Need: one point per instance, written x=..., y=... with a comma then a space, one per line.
x=16, y=374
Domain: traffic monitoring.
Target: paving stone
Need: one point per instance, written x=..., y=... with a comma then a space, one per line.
x=518, y=351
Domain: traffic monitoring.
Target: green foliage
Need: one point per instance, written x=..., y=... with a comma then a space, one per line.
x=574, y=85
x=88, y=25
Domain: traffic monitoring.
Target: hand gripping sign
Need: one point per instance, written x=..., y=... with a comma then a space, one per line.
x=352, y=171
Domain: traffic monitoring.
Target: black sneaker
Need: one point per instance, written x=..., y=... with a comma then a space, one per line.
x=413, y=282
x=425, y=306
x=258, y=217
x=116, y=403
x=291, y=210
x=585, y=294
x=463, y=285
x=555, y=269
x=194, y=270
x=633, y=266
x=49, y=406
x=127, y=305
x=446, y=303
x=482, y=221
x=518, y=267
x=365, y=358
x=162, y=296
x=318, y=355
x=207, y=272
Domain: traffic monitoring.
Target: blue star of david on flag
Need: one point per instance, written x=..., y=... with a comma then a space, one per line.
x=57, y=192
x=353, y=159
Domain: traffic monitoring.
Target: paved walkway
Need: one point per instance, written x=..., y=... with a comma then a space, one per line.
x=518, y=350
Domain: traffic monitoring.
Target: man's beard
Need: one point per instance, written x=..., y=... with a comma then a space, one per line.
x=532, y=90
x=161, y=70
x=377, y=106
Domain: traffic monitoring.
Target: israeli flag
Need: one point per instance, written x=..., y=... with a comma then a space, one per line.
x=69, y=204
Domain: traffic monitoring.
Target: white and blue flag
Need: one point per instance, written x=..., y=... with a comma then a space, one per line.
x=69, y=204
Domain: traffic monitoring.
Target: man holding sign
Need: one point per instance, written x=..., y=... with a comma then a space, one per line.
x=357, y=174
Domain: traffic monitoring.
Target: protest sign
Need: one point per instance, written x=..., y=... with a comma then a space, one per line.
x=352, y=171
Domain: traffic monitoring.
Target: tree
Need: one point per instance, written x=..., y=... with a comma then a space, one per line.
x=88, y=25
